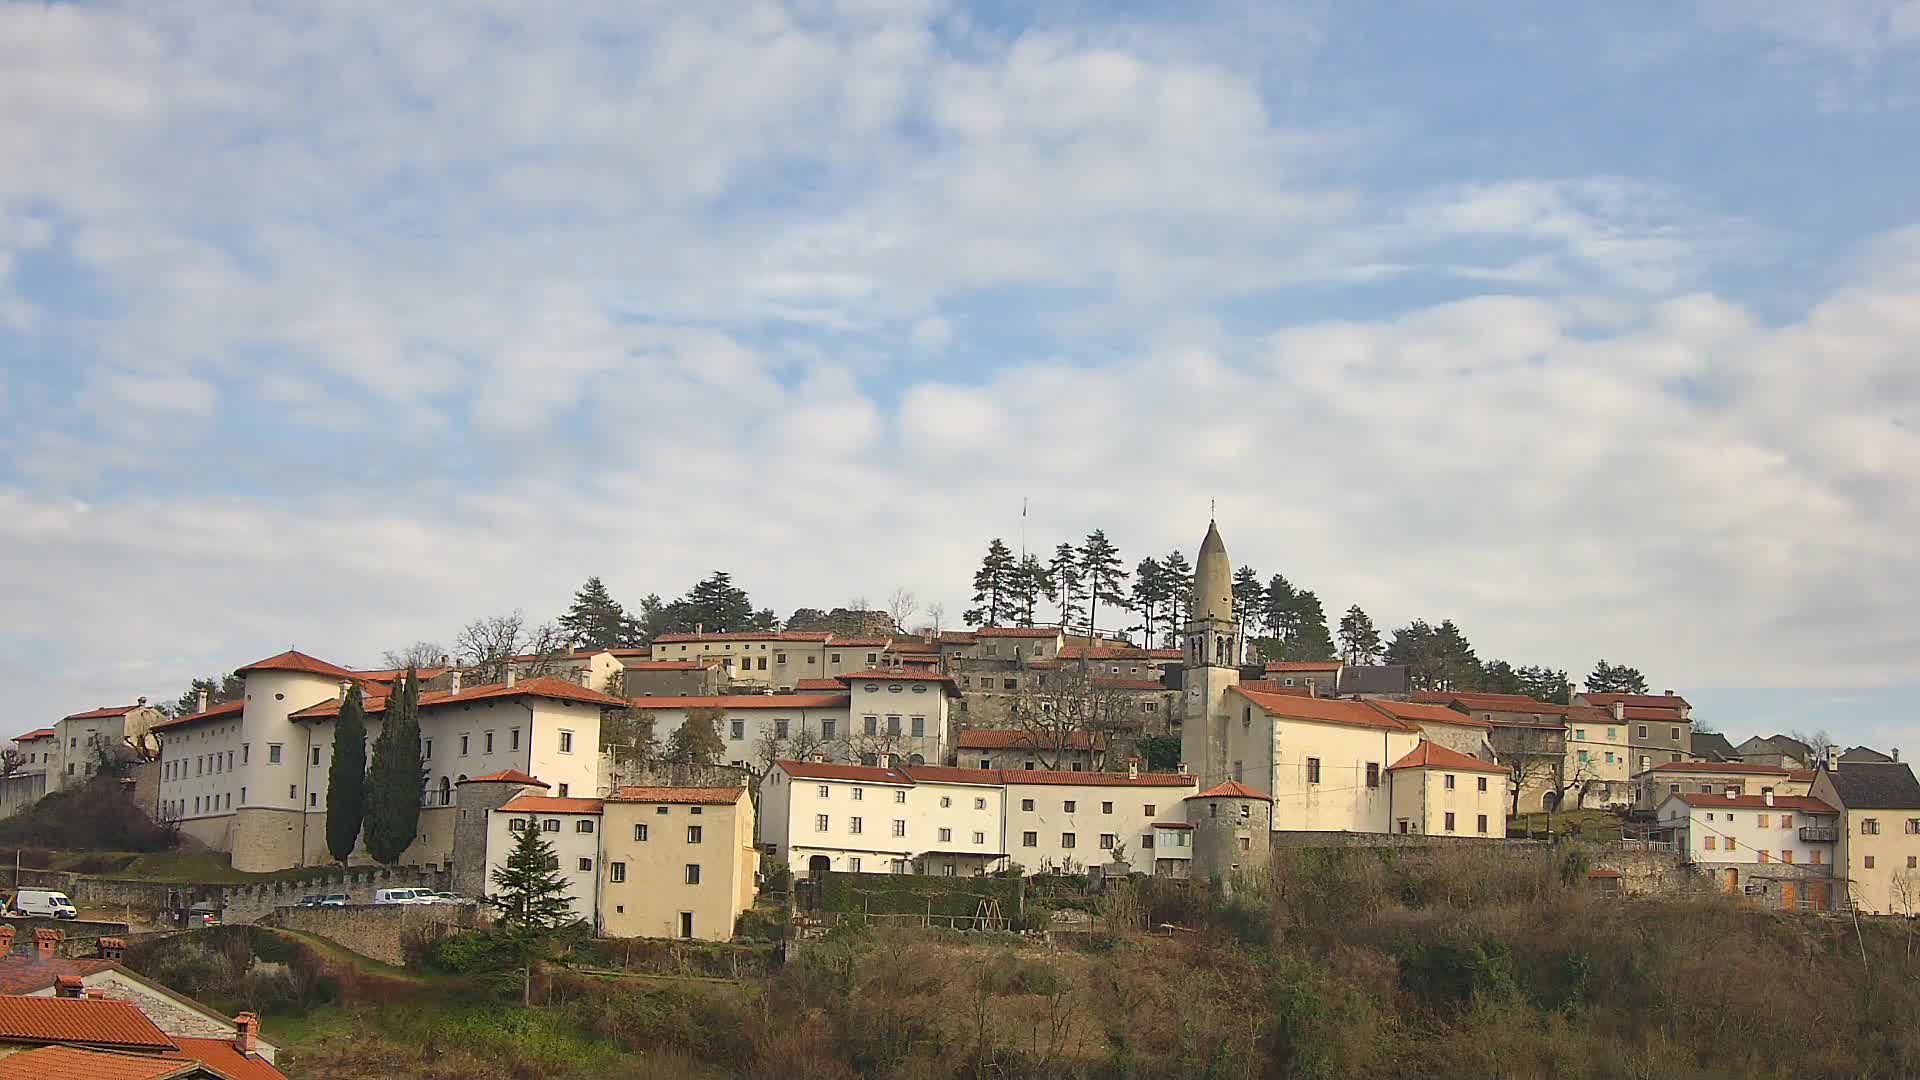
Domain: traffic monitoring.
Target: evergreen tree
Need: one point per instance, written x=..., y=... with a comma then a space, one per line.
x=1359, y=641
x=993, y=587
x=1311, y=640
x=1545, y=684
x=597, y=621
x=1064, y=572
x=717, y=605
x=220, y=690
x=1278, y=618
x=1248, y=600
x=1498, y=677
x=1150, y=595
x=528, y=890
x=697, y=740
x=347, y=778
x=1616, y=679
x=1437, y=658
x=1100, y=563
x=1179, y=577
x=396, y=778
x=1030, y=584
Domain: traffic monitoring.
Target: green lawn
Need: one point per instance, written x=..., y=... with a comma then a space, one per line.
x=1589, y=824
x=211, y=867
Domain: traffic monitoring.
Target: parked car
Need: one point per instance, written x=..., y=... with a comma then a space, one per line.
x=310, y=900
x=51, y=903
x=200, y=915
x=398, y=896
x=445, y=897
x=338, y=899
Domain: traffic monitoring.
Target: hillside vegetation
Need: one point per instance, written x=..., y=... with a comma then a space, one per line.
x=1471, y=963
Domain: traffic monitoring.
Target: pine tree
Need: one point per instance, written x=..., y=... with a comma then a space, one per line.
x=1100, y=563
x=1437, y=658
x=1248, y=599
x=1030, y=584
x=1545, y=684
x=1311, y=640
x=1616, y=679
x=528, y=890
x=1498, y=677
x=597, y=621
x=993, y=587
x=715, y=605
x=347, y=778
x=396, y=778
x=697, y=740
x=1150, y=594
x=1179, y=577
x=1278, y=619
x=1064, y=572
x=220, y=690
x=1359, y=641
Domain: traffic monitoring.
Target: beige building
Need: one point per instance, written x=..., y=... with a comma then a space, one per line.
x=571, y=826
x=1443, y=727
x=1659, y=727
x=1320, y=676
x=1002, y=748
x=1441, y=792
x=28, y=781
x=778, y=659
x=1322, y=761
x=677, y=862
x=68, y=753
x=1877, y=846
x=1707, y=777
x=1599, y=759
x=1777, y=849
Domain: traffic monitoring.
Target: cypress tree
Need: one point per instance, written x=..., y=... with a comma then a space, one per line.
x=396, y=778
x=347, y=778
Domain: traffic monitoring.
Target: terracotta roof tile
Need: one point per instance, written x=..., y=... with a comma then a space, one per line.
x=1708, y=800
x=1302, y=665
x=1730, y=767
x=546, y=804
x=1664, y=716
x=1430, y=755
x=506, y=776
x=829, y=685
x=37, y=733
x=914, y=647
x=217, y=712
x=1016, y=632
x=679, y=796
x=1007, y=739
x=956, y=637
x=941, y=774
x=75, y=1063
x=1322, y=710
x=23, y=973
x=825, y=770
x=105, y=712
x=224, y=1058
x=93, y=1021
x=544, y=686
x=1095, y=779
x=1649, y=701
x=1515, y=703
x=744, y=701
x=294, y=660
x=1416, y=713
x=1231, y=789
x=884, y=674
x=1802, y=775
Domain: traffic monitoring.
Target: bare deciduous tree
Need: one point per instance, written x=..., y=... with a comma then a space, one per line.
x=11, y=759
x=1524, y=769
x=420, y=654
x=798, y=745
x=936, y=612
x=486, y=645
x=901, y=604
x=1818, y=742
x=1067, y=709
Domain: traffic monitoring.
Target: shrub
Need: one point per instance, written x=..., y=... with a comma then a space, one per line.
x=99, y=815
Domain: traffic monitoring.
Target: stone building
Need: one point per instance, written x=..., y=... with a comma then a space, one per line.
x=1232, y=828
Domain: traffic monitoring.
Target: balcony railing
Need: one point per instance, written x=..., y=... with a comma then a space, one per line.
x=1819, y=834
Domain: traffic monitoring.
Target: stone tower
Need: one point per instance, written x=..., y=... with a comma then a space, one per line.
x=1213, y=651
x=1232, y=827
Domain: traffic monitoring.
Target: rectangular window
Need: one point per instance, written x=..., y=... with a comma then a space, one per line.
x=1643, y=731
x=489, y=743
x=566, y=742
x=1481, y=824
x=855, y=825
x=244, y=747
x=640, y=833
x=513, y=738
x=1029, y=839
x=870, y=724
x=617, y=872
x=1026, y=805
x=1913, y=826
x=780, y=729
x=979, y=804
x=694, y=833
x=1579, y=734
x=1709, y=844
x=737, y=729
x=827, y=728
x=763, y=663
x=1786, y=856
x=563, y=791
x=1106, y=808
x=1870, y=826
x=551, y=824
x=1447, y=781
x=1107, y=840
x=1763, y=821
x=826, y=791
x=853, y=864
x=779, y=658
x=1867, y=861
x=316, y=755
x=893, y=725
x=660, y=810
x=586, y=864
x=273, y=753
x=1674, y=735
x=899, y=827
x=979, y=837
x=1483, y=783
x=464, y=740
x=1070, y=805
x=1313, y=770
x=426, y=748
x=859, y=794
x=519, y=825
x=946, y=801
x=1814, y=856
x=1066, y=840
x=1010, y=684
x=584, y=825
x=899, y=796
x=946, y=836
x=1449, y=821
x=1373, y=774
x=919, y=727
x=693, y=878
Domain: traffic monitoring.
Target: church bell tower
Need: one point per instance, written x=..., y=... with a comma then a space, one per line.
x=1213, y=652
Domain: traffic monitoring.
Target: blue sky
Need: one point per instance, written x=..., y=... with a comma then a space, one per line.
x=1592, y=329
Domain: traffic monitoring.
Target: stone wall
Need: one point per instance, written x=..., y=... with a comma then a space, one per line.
x=148, y=897
x=1309, y=839
x=1649, y=873
x=238, y=903
x=382, y=933
x=252, y=903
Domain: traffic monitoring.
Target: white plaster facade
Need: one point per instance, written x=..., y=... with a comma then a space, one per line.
x=571, y=825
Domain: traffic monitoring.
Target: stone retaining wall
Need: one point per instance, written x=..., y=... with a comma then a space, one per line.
x=382, y=933
x=238, y=903
x=1294, y=839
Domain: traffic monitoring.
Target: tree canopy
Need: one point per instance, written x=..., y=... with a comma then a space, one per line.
x=597, y=621
x=1104, y=574
x=993, y=586
x=1359, y=639
x=397, y=778
x=347, y=778
x=1616, y=679
x=697, y=740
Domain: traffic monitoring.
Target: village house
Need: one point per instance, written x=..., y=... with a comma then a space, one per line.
x=1070, y=821
x=28, y=781
x=1659, y=726
x=571, y=825
x=777, y=659
x=1529, y=736
x=1707, y=777
x=78, y=1032
x=1444, y=727
x=677, y=862
x=1598, y=770
x=1777, y=848
x=1784, y=751
x=1322, y=761
x=1877, y=843
x=68, y=753
x=1437, y=791
x=1320, y=676
x=998, y=748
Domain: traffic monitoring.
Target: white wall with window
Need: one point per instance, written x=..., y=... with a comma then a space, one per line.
x=572, y=826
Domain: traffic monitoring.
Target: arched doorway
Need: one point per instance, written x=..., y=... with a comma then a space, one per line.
x=446, y=791
x=818, y=866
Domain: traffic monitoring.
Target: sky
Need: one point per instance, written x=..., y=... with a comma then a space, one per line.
x=1595, y=328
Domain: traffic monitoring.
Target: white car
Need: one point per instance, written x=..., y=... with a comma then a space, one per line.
x=385, y=897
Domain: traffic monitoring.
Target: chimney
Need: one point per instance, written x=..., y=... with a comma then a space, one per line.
x=1768, y=796
x=6, y=939
x=95, y=993
x=45, y=944
x=1733, y=793
x=68, y=986
x=203, y=700
x=457, y=673
x=1896, y=753
x=1133, y=768
x=1833, y=757
x=246, y=1027
x=1183, y=768
x=1619, y=711
x=112, y=948
x=445, y=660
x=346, y=687
x=141, y=701
x=512, y=675
x=1669, y=693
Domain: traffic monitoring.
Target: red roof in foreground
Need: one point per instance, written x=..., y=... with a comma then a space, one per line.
x=37, y=733
x=1708, y=801
x=1434, y=756
x=679, y=796
x=544, y=804
x=1801, y=775
x=93, y=1021
x=1095, y=779
x=294, y=660
x=943, y=774
x=1231, y=789
x=506, y=776
x=825, y=770
x=828, y=686
x=545, y=686
x=25, y=974
x=1731, y=767
x=75, y=1063
x=1321, y=710
x=104, y=712
x=221, y=1056
x=1415, y=713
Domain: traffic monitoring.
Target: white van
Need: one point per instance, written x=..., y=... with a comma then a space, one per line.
x=396, y=896
x=48, y=902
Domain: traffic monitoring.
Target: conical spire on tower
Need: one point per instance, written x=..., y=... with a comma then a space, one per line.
x=1213, y=579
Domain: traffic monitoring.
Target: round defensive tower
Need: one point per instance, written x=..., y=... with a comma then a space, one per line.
x=1232, y=827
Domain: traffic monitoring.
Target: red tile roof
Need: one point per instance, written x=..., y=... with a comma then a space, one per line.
x=1007, y=739
x=1732, y=767
x=93, y=1021
x=1708, y=800
x=885, y=674
x=1302, y=665
x=1016, y=632
x=544, y=686
x=23, y=973
x=1805, y=775
x=393, y=674
x=1269, y=686
x=547, y=804
x=75, y=1063
x=222, y=1057
x=506, y=776
x=1231, y=789
x=1166, y=654
x=1322, y=710
x=37, y=733
x=743, y=635
x=1127, y=684
x=1116, y=652
x=1094, y=779
x=1515, y=703
x=679, y=796
x=294, y=660
x=665, y=665
x=1649, y=701
x=744, y=701
x=824, y=770
x=1430, y=755
x=899, y=646
x=217, y=712
x=1415, y=713
x=859, y=642
x=1664, y=716
x=828, y=685
x=104, y=712
x=941, y=774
